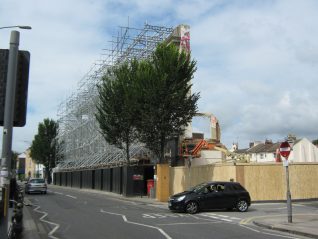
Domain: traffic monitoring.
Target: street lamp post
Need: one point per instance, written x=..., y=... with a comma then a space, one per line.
x=5, y=172
x=21, y=27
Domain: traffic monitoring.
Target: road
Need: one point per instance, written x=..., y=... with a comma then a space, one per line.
x=73, y=213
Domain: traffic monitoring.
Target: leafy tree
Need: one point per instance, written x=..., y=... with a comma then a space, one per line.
x=117, y=107
x=315, y=142
x=165, y=99
x=43, y=148
x=149, y=99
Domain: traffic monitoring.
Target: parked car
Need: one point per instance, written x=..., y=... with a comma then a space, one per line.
x=211, y=195
x=36, y=185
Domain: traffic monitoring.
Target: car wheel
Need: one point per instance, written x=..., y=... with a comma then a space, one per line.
x=45, y=192
x=242, y=205
x=192, y=207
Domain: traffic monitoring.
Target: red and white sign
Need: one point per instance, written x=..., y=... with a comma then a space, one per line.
x=284, y=149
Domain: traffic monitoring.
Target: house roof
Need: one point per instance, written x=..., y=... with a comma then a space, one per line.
x=240, y=151
x=264, y=148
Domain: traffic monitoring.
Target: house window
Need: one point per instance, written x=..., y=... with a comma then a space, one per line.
x=262, y=156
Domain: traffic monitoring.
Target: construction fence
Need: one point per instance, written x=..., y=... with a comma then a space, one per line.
x=264, y=181
x=126, y=180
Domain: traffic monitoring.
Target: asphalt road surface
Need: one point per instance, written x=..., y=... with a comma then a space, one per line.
x=73, y=213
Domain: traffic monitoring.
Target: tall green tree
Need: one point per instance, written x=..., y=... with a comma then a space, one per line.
x=117, y=108
x=315, y=142
x=43, y=148
x=166, y=103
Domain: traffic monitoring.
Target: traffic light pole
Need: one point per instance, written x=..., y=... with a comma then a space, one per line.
x=6, y=157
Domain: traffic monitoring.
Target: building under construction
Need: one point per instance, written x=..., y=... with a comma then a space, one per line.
x=86, y=159
x=82, y=144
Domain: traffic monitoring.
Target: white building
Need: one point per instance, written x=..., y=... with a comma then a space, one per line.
x=302, y=151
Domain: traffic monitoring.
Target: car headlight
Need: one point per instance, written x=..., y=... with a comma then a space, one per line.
x=180, y=198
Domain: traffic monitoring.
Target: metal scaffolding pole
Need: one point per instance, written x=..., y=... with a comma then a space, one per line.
x=82, y=144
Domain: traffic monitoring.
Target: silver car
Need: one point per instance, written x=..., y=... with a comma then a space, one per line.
x=36, y=185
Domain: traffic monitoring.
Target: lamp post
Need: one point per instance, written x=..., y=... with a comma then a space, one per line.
x=21, y=27
x=5, y=172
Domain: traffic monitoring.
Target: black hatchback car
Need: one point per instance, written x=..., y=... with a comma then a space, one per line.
x=211, y=195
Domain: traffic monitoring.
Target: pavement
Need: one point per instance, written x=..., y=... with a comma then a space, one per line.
x=30, y=230
x=302, y=224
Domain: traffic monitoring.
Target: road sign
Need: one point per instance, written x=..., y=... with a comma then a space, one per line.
x=20, y=106
x=284, y=149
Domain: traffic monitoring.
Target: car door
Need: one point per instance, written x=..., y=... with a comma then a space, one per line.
x=229, y=196
x=211, y=199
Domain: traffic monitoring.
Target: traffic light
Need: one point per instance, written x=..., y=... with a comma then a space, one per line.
x=21, y=93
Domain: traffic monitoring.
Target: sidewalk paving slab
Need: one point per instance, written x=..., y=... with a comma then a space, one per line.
x=302, y=224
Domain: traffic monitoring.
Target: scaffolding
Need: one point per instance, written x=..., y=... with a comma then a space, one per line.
x=82, y=146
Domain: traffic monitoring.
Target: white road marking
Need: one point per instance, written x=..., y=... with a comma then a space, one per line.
x=220, y=217
x=56, y=226
x=226, y=220
x=147, y=216
x=158, y=215
x=58, y=193
x=139, y=224
x=70, y=196
x=212, y=217
x=189, y=223
x=252, y=229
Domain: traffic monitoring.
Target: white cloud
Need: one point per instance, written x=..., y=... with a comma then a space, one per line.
x=257, y=60
x=253, y=60
x=65, y=39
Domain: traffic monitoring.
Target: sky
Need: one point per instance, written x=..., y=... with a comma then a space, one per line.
x=257, y=60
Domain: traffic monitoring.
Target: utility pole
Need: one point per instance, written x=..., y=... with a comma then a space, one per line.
x=5, y=173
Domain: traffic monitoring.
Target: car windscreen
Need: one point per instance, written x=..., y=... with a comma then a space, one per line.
x=37, y=181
